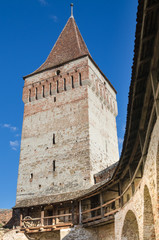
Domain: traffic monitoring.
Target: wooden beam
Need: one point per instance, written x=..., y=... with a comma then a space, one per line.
x=151, y=8
x=120, y=192
x=80, y=212
x=21, y=218
x=112, y=190
x=91, y=219
x=154, y=84
x=73, y=213
x=42, y=216
x=141, y=139
x=145, y=60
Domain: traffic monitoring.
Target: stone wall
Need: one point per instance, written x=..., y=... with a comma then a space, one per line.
x=5, y=216
x=144, y=202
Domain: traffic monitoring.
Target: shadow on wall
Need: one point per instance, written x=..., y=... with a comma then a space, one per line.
x=130, y=229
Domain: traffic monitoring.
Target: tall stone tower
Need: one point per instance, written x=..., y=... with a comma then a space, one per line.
x=69, y=126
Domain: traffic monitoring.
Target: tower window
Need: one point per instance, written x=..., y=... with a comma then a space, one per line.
x=64, y=84
x=31, y=177
x=54, y=166
x=36, y=93
x=54, y=99
x=57, y=84
x=80, y=79
x=29, y=95
x=72, y=80
x=50, y=89
x=53, y=140
x=43, y=91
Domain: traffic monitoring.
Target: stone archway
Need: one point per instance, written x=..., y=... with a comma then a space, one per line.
x=148, y=224
x=130, y=229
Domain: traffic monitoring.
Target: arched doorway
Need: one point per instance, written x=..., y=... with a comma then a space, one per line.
x=148, y=225
x=130, y=228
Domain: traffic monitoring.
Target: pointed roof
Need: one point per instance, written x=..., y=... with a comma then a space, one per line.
x=69, y=46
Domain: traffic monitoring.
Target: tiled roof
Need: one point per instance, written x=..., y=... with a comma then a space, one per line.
x=69, y=46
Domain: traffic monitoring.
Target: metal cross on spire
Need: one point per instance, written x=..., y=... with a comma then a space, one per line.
x=71, y=9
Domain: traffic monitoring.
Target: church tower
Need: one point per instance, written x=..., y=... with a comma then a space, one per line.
x=69, y=126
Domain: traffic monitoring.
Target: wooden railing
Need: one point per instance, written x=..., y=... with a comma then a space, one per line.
x=57, y=220
x=101, y=211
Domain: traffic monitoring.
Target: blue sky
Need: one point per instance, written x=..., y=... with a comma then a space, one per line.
x=28, y=30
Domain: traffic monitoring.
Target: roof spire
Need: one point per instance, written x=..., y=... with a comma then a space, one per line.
x=71, y=9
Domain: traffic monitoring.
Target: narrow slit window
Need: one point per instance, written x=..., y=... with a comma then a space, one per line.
x=64, y=84
x=50, y=89
x=57, y=83
x=80, y=79
x=72, y=81
x=54, y=167
x=31, y=177
x=53, y=140
x=43, y=91
x=29, y=95
x=36, y=93
x=54, y=99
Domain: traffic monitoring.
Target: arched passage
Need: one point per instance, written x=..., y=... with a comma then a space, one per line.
x=130, y=229
x=148, y=227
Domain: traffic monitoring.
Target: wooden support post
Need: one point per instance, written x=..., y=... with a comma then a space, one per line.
x=131, y=176
x=42, y=216
x=120, y=192
x=130, y=172
x=73, y=213
x=101, y=203
x=80, y=212
x=154, y=83
x=157, y=107
x=21, y=218
x=133, y=188
x=141, y=139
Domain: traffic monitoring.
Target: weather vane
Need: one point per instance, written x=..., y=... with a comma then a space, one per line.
x=71, y=9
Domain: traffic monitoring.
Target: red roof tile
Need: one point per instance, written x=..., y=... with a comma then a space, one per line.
x=69, y=46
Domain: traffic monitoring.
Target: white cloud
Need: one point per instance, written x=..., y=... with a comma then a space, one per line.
x=14, y=145
x=54, y=18
x=43, y=2
x=9, y=126
x=17, y=135
x=123, y=128
x=120, y=140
